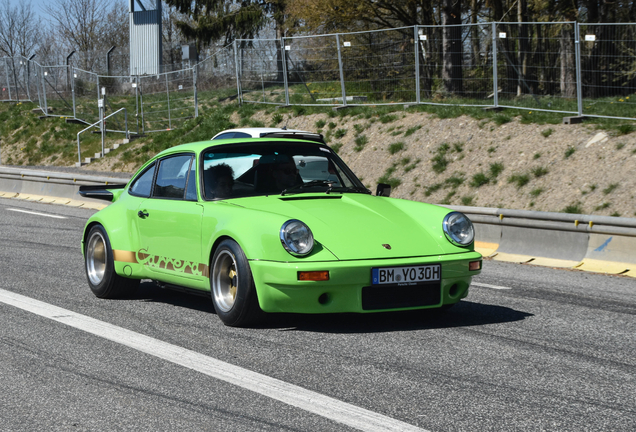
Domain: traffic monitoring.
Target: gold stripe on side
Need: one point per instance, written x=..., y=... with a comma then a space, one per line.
x=205, y=270
x=124, y=256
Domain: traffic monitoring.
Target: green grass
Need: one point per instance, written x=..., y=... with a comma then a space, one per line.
x=339, y=133
x=574, y=209
x=361, y=141
x=536, y=192
x=520, y=180
x=467, y=200
x=539, y=171
x=336, y=147
x=569, y=152
x=611, y=188
x=547, y=132
x=495, y=169
x=411, y=131
x=396, y=147
x=479, y=179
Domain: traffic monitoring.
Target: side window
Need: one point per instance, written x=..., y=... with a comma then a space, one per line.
x=142, y=186
x=225, y=135
x=172, y=177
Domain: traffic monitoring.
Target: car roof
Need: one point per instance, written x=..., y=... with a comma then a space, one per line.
x=268, y=132
x=256, y=132
x=202, y=145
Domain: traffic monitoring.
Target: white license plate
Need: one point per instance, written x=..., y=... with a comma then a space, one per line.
x=405, y=275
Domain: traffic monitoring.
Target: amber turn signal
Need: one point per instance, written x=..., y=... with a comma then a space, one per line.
x=313, y=275
x=474, y=265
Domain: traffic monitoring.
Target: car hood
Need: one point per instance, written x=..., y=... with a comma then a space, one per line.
x=360, y=226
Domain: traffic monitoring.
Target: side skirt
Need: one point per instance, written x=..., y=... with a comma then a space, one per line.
x=180, y=288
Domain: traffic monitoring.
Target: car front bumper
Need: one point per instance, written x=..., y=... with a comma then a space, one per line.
x=349, y=287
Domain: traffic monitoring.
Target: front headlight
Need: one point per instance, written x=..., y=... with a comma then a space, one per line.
x=296, y=237
x=458, y=229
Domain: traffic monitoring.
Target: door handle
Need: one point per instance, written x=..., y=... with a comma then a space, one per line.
x=142, y=214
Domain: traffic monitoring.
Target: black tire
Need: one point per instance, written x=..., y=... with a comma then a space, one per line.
x=232, y=286
x=100, y=267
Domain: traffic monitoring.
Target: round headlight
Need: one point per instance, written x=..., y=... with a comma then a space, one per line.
x=296, y=237
x=458, y=229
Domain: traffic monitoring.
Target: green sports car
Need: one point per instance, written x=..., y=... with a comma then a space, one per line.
x=274, y=224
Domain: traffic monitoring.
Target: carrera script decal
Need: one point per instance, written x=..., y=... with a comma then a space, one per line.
x=164, y=263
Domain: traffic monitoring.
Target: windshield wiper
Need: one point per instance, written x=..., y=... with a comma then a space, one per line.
x=308, y=184
x=353, y=189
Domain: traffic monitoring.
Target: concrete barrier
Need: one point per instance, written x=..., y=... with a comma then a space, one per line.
x=593, y=243
x=51, y=186
x=610, y=254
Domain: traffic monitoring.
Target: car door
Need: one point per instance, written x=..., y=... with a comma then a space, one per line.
x=169, y=221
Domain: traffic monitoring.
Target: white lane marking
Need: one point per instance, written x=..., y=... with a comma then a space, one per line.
x=38, y=214
x=291, y=394
x=497, y=287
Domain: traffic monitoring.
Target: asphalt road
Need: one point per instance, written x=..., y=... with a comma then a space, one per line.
x=530, y=349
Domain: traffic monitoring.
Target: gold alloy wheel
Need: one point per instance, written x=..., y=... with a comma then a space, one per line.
x=225, y=280
x=96, y=258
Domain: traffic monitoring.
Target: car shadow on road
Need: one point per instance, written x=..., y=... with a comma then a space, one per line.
x=151, y=293
x=464, y=314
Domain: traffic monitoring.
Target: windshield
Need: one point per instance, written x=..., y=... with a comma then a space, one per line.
x=274, y=168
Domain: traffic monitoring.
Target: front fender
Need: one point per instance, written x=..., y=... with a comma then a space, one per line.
x=256, y=231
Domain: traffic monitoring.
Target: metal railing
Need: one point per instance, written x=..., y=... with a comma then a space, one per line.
x=103, y=130
x=565, y=67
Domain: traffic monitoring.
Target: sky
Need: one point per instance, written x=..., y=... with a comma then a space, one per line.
x=38, y=7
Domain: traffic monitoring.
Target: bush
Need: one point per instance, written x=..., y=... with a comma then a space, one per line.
x=396, y=147
x=479, y=179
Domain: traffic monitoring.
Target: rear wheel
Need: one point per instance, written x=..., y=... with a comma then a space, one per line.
x=100, y=267
x=232, y=286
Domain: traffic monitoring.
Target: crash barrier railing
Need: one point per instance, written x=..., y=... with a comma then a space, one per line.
x=564, y=67
x=103, y=130
x=596, y=243
x=593, y=243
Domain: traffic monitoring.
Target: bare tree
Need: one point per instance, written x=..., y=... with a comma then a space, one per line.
x=80, y=25
x=19, y=29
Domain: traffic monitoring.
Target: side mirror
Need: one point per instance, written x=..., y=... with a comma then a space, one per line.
x=383, y=189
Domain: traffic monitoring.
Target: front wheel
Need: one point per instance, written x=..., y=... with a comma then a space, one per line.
x=232, y=286
x=100, y=267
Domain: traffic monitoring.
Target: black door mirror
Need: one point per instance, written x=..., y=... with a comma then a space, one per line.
x=383, y=190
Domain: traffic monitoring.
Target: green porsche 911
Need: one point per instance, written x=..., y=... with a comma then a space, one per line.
x=276, y=223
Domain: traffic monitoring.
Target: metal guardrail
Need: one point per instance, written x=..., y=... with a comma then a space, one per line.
x=551, y=220
x=20, y=174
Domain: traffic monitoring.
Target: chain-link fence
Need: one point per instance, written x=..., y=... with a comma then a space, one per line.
x=584, y=69
x=608, y=70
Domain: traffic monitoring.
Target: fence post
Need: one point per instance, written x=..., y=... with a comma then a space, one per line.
x=342, y=84
x=194, y=85
x=168, y=97
x=416, y=38
x=46, y=105
x=238, y=77
x=6, y=72
x=284, y=60
x=73, y=90
x=137, y=100
x=579, y=83
x=494, y=65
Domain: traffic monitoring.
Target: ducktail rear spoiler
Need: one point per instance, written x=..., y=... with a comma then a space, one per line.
x=99, y=191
